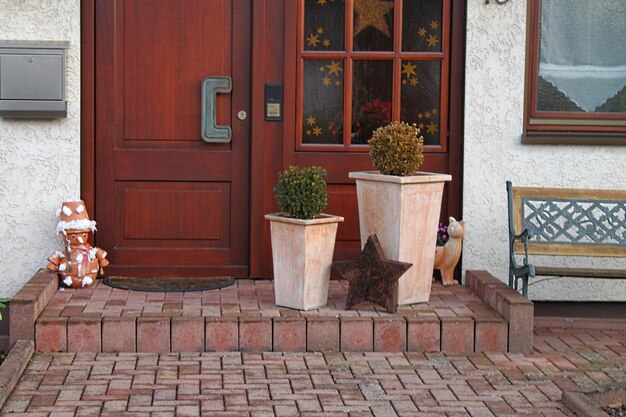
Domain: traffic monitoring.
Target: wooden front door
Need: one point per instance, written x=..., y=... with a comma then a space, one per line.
x=356, y=65
x=167, y=202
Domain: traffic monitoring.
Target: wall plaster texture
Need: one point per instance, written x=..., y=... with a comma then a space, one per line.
x=39, y=158
x=493, y=153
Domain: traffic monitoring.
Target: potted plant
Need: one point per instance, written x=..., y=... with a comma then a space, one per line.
x=401, y=205
x=303, y=239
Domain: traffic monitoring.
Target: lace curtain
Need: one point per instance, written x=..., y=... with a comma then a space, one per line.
x=582, y=56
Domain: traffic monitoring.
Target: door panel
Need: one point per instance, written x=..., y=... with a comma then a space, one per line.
x=192, y=39
x=167, y=202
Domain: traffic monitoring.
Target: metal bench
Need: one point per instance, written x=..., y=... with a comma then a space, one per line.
x=564, y=222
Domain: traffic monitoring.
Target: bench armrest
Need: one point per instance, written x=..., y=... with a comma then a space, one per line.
x=523, y=237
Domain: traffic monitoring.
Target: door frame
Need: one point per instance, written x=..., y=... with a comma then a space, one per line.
x=266, y=155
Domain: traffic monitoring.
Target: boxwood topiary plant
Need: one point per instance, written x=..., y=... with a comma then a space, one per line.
x=301, y=193
x=397, y=149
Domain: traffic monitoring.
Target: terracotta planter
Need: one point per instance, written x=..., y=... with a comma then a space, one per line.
x=302, y=251
x=404, y=213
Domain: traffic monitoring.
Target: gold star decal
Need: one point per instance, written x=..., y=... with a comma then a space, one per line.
x=312, y=39
x=334, y=67
x=317, y=131
x=320, y=30
x=432, y=128
x=434, y=111
x=322, y=69
x=326, y=81
x=432, y=40
x=408, y=69
x=420, y=115
x=326, y=42
x=414, y=81
x=427, y=115
x=337, y=82
x=434, y=25
x=421, y=125
x=421, y=32
x=308, y=132
x=372, y=13
x=403, y=82
x=321, y=2
x=310, y=120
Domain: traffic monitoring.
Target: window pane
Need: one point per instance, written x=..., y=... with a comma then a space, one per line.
x=371, y=98
x=324, y=25
x=421, y=26
x=323, y=102
x=420, y=101
x=582, y=58
x=373, y=25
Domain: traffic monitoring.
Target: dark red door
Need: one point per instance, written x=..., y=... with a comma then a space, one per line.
x=167, y=202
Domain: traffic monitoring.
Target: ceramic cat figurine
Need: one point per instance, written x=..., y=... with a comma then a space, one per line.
x=447, y=256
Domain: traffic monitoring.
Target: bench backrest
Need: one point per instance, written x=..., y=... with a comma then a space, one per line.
x=565, y=221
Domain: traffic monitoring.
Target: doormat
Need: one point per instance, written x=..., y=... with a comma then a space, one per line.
x=155, y=284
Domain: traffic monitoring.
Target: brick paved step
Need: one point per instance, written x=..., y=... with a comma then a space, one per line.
x=244, y=318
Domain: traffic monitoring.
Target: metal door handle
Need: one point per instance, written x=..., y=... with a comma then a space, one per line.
x=211, y=132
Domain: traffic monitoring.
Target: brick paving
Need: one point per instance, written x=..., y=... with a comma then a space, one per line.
x=244, y=317
x=246, y=298
x=322, y=384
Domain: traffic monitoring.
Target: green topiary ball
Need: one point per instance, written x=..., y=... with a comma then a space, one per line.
x=397, y=149
x=301, y=193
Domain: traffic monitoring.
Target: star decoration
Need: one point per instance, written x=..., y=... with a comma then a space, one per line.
x=326, y=43
x=427, y=115
x=432, y=40
x=372, y=13
x=326, y=81
x=408, y=69
x=434, y=111
x=403, y=82
x=414, y=81
x=337, y=82
x=312, y=39
x=421, y=125
x=421, y=32
x=334, y=67
x=322, y=69
x=321, y=2
x=310, y=120
x=317, y=131
x=434, y=25
x=420, y=115
x=373, y=277
x=320, y=30
x=308, y=132
x=431, y=128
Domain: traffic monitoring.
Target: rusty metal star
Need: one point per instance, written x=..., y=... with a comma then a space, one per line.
x=373, y=277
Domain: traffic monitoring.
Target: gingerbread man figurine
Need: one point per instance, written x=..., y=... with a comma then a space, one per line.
x=79, y=262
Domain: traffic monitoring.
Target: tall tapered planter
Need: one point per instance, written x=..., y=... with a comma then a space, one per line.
x=302, y=252
x=404, y=213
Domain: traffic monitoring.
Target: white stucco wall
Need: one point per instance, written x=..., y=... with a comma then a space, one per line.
x=493, y=153
x=39, y=158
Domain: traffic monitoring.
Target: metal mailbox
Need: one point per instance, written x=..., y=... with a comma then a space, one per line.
x=32, y=78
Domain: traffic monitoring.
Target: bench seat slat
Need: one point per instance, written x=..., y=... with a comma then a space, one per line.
x=559, y=249
x=580, y=272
